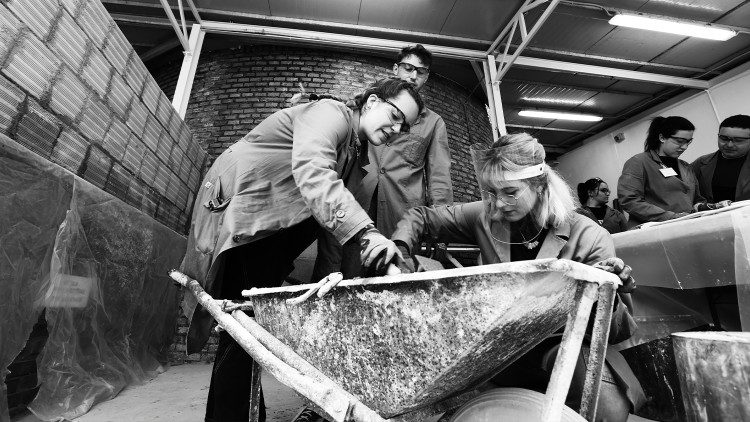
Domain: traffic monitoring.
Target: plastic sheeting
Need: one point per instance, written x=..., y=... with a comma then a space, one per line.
x=674, y=262
x=99, y=268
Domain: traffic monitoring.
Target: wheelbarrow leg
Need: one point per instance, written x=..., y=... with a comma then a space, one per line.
x=567, y=356
x=255, y=392
x=595, y=363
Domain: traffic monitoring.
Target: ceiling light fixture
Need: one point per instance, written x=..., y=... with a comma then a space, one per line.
x=561, y=101
x=672, y=27
x=556, y=115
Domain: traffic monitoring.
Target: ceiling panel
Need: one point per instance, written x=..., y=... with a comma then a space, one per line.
x=345, y=11
x=704, y=53
x=261, y=7
x=565, y=31
x=609, y=104
x=637, y=87
x=699, y=10
x=421, y=15
x=740, y=17
x=634, y=44
x=481, y=19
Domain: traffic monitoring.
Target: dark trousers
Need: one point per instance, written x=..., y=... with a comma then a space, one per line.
x=263, y=263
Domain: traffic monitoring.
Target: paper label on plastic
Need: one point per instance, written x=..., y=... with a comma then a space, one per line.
x=69, y=291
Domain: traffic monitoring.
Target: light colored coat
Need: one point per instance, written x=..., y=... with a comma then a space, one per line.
x=647, y=195
x=614, y=221
x=402, y=167
x=293, y=165
x=704, y=168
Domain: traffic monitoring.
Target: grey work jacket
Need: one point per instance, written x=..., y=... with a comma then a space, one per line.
x=402, y=167
x=647, y=195
x=293, y=165
x=704, y=168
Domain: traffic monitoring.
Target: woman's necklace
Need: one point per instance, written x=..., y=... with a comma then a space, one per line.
x=530, y=243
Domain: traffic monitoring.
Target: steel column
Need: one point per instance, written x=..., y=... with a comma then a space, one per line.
x=187, y=73
x=496, y=98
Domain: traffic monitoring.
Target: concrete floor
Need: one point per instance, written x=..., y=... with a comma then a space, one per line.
x=180, y=395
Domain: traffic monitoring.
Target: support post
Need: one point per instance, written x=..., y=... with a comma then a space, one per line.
x=599, y=339
x=567, y=356
x=496, y=98
x=255, y=392
x=187, y=72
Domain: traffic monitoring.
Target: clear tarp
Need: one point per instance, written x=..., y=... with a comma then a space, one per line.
x=676, y=265
x=98, y=267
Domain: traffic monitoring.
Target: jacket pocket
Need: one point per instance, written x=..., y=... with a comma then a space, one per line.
x=415, y=148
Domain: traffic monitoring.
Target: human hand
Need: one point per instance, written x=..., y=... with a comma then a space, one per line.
x=322, y=287
x=724, y=203
x=378, y=251
x=617, y=266
x=407, y=263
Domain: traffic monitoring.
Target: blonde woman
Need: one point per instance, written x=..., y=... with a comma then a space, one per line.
x=528, y=212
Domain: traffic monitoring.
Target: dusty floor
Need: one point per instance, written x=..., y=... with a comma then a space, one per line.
x=180, y=395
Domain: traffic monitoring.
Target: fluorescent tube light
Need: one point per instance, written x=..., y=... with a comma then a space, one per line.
x=555, y=115
x=672, y=27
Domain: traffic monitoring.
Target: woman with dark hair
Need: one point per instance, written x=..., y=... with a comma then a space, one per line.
x=656, y=185
x=594, y=196
x=268, y=196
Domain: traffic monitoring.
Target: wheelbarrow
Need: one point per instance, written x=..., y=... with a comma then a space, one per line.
x=404, y=347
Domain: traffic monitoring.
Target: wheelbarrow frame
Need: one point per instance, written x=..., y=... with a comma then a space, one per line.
x=338, y=405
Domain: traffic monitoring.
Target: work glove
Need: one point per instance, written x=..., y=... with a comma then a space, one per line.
x=705, y=206
x=378, y=252
x=407, y=264
x=617, y=266
x=321, y=288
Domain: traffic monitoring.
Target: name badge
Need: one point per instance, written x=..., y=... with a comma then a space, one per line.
x=667, y=172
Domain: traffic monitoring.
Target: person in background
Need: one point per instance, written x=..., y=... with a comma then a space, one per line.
x=594, y=196
x=724, y=175
x=410, y=169
x=267, y=197
x=528, y=212
x=656, y=185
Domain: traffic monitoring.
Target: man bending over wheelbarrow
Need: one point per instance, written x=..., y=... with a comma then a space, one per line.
x=528, y=212
x=265, y=200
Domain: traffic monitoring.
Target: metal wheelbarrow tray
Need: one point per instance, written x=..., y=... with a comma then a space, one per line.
x=402, y=343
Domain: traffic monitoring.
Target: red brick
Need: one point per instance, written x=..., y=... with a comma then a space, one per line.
x=175, y=159
x=150, y=95
x=137, y=117
x=161, y=180
x=31, y=66
x=116, y=139
x=164, y=148
x=120, y=95
x=136, y=190
x=95, y=120
x=10, y=98
x=117, y=49
x=151, y=133
x=118, y=182
x=38, y=15
x=70, y=150
x=136, y=74
x=10, y=27
x=195, y=176
x=68, y=94
x=95, y=21
x=72, y=6
x=38, y=130
x=134, y=154
x=97, y=72
x=149, y=167
x=97, y=168
x=69, y=42
x=164, y=111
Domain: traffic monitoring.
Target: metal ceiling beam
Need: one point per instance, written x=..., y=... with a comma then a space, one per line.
x=490, y=73
x=379, y=44
x=187, y=72
x=160, y=49
x=578, y=87
x=519, y=23
x=551, y=129
x=181, y=32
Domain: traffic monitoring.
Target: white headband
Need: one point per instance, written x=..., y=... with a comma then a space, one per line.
x=524, y=173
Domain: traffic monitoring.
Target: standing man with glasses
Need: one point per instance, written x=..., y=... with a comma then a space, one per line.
x=724, y=175
x=409, y=170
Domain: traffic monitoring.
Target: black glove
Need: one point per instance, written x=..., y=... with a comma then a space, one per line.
x=377, y=251
x=407, y=263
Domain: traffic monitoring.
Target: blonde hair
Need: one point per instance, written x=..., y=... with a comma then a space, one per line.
x=516, y=151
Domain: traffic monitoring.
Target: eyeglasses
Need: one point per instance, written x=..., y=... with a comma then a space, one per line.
x=683, y=142
x=505, y=198
x=735, y=140
x=404, y=127
x=421, y=71
x=604, y=191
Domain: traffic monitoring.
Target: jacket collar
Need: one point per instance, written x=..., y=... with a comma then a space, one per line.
x=553, y=243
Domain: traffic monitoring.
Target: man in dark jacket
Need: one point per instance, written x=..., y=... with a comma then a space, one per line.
x=725, y=174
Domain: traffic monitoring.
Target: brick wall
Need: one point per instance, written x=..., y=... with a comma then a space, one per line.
x=73, y=90
x=236, y=88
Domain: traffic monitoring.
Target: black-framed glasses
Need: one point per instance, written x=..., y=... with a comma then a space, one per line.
x=408, y=67
x=683, y=142
x=404, y=127
x=733, y=139
x=505, y=198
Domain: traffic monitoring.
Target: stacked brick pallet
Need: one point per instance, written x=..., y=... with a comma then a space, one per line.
x=73, y=90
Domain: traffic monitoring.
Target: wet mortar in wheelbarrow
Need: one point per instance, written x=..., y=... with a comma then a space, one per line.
x=404, y=342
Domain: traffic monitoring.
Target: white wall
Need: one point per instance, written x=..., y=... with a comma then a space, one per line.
x=601, y=156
